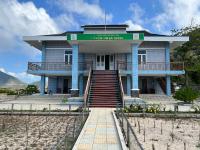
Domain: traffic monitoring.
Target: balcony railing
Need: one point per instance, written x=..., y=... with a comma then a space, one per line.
x=57, y=66
x=178, y=66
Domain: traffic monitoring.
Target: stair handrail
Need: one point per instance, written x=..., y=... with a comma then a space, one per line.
x=87, y=88
x=162, y=84
x=121, y=88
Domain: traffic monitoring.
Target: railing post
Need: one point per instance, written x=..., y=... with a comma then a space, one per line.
x=128, y=138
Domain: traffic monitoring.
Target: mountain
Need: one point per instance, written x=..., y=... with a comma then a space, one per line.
x=8, y=81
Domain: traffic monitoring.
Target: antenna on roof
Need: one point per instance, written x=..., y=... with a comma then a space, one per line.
x=105, y=20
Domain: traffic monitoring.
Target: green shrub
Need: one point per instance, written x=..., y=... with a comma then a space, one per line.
x=196, y=108
x=186, y=94
x=136, y=108
x=31, y=89
x=4, y=90
x=153, y=108
x=133, y=109
x=21, y=91
x=8, y=91
x=65, y=100
x=11, y=92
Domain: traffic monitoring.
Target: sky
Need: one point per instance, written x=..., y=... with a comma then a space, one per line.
x=20, y=18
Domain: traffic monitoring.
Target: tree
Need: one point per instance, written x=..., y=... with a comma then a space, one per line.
x=31, y=89
x=186, y=94
x=189, y=52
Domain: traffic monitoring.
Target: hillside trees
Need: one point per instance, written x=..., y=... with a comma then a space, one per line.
x=189, y=53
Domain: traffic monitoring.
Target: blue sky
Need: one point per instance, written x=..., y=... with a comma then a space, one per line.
x=23, y=17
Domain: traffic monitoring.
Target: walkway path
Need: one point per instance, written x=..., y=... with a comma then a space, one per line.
x=99, y=132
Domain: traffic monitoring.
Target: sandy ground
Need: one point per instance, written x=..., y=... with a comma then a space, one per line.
x=34, y=132
x=167, y=134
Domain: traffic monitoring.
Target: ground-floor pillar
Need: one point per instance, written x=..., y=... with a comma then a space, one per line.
x=81, y=92
x=168, y=86
x=128, y=84
x=74, y=90
x=135, y=89
x=42, y=85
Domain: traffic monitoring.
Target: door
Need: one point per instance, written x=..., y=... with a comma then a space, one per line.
x=100, y=62
x=111, y=62
x=144, y=86
x=65, y=86
x=107, y=62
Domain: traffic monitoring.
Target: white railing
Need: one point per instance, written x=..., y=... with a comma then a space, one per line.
x=121, y=88
x=57, y=66
x=152, y=66
x=87, y=89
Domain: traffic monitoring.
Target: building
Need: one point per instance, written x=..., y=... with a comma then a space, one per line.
x=143, y=59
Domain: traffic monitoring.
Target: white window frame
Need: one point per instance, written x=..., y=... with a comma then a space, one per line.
x=68, y=56
x=141, y=57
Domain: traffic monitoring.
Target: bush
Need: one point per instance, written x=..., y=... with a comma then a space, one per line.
x=65, y=100
x=186, y=94
x=153, y=108
x=31, y=89
x=4, y=90
x=196, y=108
x=11, y=92
x=8, y=91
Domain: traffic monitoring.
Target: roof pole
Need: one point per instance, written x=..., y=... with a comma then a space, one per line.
x=105, y=20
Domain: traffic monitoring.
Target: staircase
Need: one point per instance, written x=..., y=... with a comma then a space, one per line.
x=162, y=83
x=104, y=89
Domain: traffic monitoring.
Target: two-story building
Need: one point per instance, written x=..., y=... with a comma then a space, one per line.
x=142, y=58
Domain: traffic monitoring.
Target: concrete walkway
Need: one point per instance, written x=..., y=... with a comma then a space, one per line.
x=99, y=132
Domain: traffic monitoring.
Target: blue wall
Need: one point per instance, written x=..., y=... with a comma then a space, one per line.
x=52, y=84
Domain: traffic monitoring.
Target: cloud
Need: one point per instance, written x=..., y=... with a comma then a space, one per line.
x=136, y=19
x=90, y=12
x=67, y=21
x=19, y=19
x=179, y=13
x=136, y=13
x=133, y=26
x=23, y=76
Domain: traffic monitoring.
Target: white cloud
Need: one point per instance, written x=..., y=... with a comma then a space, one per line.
x=136, y=19
x=23, y=76
x=133, y=26
x=90, y=11
x=67, y=21
x=137, y=13
x=19, y=19
x=179, y=13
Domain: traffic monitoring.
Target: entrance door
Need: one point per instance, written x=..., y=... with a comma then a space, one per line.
x=100, y=62
x=144, y=86
x=111, y=63
x=65, y=86
x=107, y=62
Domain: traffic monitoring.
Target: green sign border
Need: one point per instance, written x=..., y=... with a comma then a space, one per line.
x=105, y=37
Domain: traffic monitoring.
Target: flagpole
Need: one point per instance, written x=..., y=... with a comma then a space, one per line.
x=105, y=20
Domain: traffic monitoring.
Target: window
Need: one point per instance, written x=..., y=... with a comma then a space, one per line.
x=68, y=57
x=141, y=56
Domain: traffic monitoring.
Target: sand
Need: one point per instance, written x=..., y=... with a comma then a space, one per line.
x=34, y=132
x=168, y=134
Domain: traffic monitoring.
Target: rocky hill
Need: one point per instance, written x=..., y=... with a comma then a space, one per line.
x=8, y=81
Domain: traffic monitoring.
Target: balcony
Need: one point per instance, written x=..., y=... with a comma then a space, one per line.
x=153, y=66
x=41, y=67
x=61, y=68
